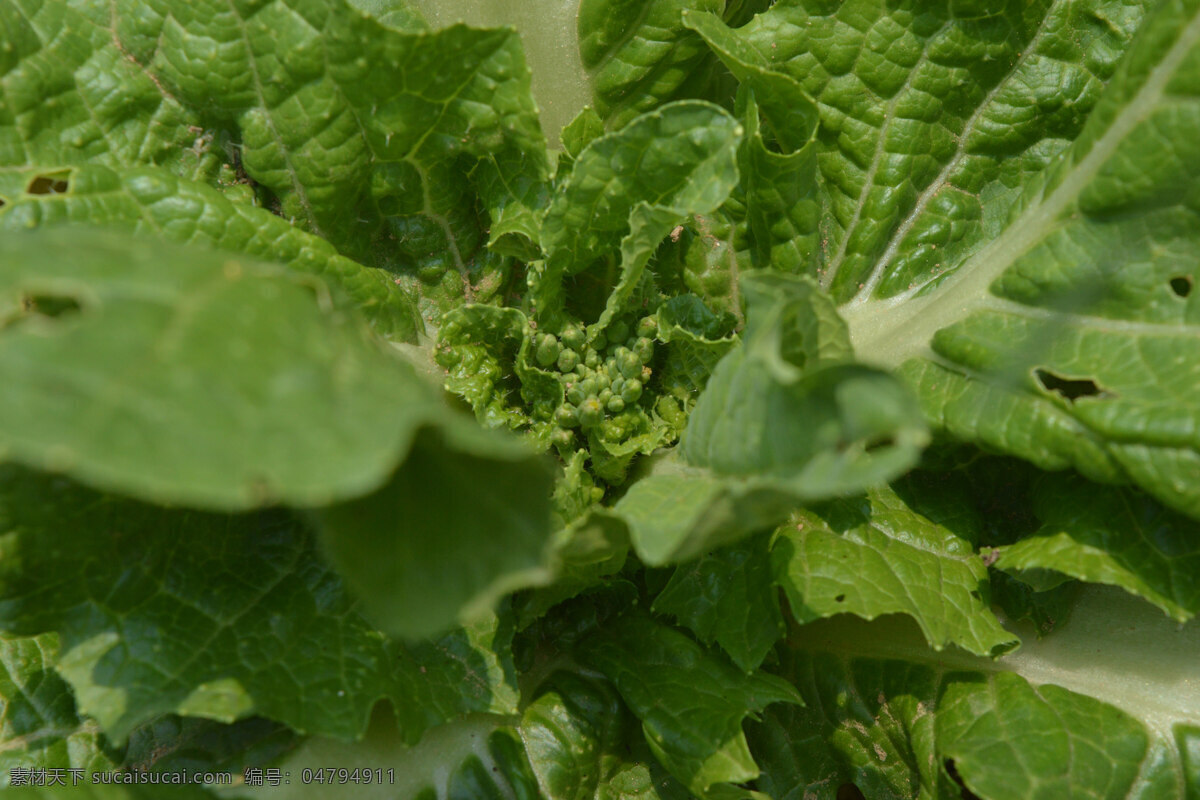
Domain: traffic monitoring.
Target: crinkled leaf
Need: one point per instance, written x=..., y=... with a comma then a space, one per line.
x=1067, y=313
x=628, y=189
x=478, y=346
x=691, y=702
x=72, y=96
x=154, y=202
x=1115, y=536
x=638, y=54
x=338, y=114
x=39, y=725
x=778, y=157
x=1081, y=711
x=930, y=114
x=783, y=420
x=219, y=617
x=876, y=555
x=728, y=597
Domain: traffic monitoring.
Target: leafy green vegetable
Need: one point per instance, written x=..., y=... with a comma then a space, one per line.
x=734, y=399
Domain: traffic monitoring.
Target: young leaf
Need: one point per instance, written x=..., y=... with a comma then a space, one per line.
x=629, y=189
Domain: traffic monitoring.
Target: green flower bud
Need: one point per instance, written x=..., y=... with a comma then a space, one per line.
x=631, y=391
x=566, y=417
x=628, y=363
x=644, y=349
x=567, y=360
x=592, y=359
x=591, y=413
x=616, y=405
x=575, y=393
x=547, y=350
x=562, y=438
x=601, y=341
x=573, y=337
x=604, y=396
x=647, y=326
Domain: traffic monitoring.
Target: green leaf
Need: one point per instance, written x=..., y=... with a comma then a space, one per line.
x=466, y=671
x=1114, y=536
x=264, y=627
x=39, y=724
x=336, y=113
x=876, y=555
x=628, y=189
x=696, y=340
x=152, y=201
x=579, y=740
x=414, y=551
x=1080, y=711
x=638, y=54
x=583, y=554
x=73, y=96
x=574, y=740
x=930, y=115
x=124, y=365
x=691, y=702
x=580, y=132
x=778, y=158
x=783, y=420
x=550, y=40
x=728, y=597
x=1067, y=312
